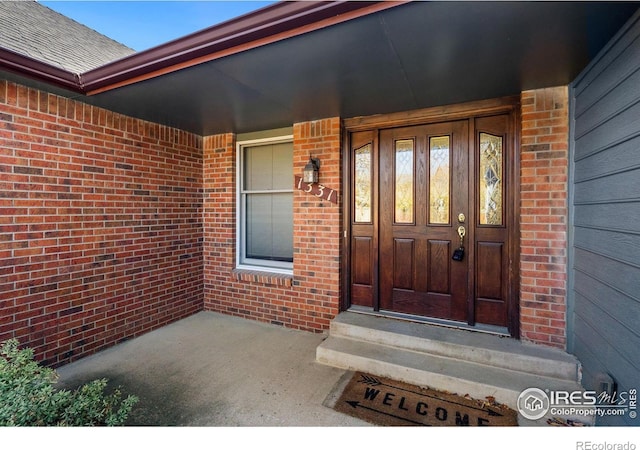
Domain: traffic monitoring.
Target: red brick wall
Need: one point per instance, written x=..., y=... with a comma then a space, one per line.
x=100, y=224
x=309, y=299
x=109, y=225
x=543, y=215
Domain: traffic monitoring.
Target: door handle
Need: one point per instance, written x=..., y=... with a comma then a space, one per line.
x=458, y=254
x=462, y=232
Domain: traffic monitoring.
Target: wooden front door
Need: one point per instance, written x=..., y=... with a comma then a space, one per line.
x=413, y=190
x=423, y=187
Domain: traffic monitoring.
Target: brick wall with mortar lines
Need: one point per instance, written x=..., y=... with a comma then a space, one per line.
x=543, y=215
x=309, y=299
x=100, y=224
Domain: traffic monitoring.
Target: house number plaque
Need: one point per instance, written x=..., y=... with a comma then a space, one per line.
x=317, y=189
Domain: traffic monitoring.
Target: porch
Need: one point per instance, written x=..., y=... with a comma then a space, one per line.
x=121, y=199
x=217, y=370
x=211, y=369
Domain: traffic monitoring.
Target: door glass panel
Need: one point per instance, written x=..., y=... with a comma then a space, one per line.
x=362, y=188
x=490, y=179
x=439, y=176
x=404, y=181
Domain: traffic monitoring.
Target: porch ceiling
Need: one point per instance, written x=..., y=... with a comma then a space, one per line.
x=411, y=56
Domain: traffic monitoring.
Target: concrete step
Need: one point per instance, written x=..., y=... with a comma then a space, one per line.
x=456, y=361
x=478, y=347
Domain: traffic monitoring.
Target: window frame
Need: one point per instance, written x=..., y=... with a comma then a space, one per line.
x=242, y=262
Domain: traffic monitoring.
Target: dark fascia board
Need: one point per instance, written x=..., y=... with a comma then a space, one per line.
x=270, y=24
x=32, y=68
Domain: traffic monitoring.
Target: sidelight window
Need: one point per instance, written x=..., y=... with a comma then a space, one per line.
x=363, y=184
x=490, y=179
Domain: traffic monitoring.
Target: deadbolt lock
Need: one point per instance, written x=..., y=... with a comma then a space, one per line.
x=461, y=218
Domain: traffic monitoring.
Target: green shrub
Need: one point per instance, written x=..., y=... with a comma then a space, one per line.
x=28, y=398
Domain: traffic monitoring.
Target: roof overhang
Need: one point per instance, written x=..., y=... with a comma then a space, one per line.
x=37, y=70
x=265, y=26
x=296, y=61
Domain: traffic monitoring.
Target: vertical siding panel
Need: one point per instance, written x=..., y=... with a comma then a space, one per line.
x=605, y=269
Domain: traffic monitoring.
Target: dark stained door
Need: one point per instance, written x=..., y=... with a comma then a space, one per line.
x=492, y=300
x=413, y=189
x=423, y=188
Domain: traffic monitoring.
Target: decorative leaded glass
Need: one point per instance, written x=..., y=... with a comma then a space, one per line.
x=439, y=175
x=362, y=189
x=490, y=179
x=404, y=181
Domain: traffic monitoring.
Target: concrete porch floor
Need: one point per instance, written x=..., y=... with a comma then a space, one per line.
x=213, y=370
x=216, y=370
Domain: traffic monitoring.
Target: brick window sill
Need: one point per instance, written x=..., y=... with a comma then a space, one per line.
x=257, y=276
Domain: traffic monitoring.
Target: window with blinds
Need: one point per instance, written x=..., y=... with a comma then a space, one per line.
x=265, y=207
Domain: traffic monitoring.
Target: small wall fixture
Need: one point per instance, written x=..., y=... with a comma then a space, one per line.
x=310, y=174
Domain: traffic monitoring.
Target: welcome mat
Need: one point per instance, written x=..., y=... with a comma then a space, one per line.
x=386, y=402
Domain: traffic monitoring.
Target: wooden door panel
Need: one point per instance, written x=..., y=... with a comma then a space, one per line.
x=439, y=267
x=362, y=252
x=491, y=267
x=429, y=305
x=424, y=280
x=363, y=258
x=491, y=305
x=489, y=256
x=491, y=312
x=403, y=264
x=362, y=270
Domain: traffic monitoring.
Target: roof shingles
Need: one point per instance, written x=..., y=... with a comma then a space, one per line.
x=33, y=30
